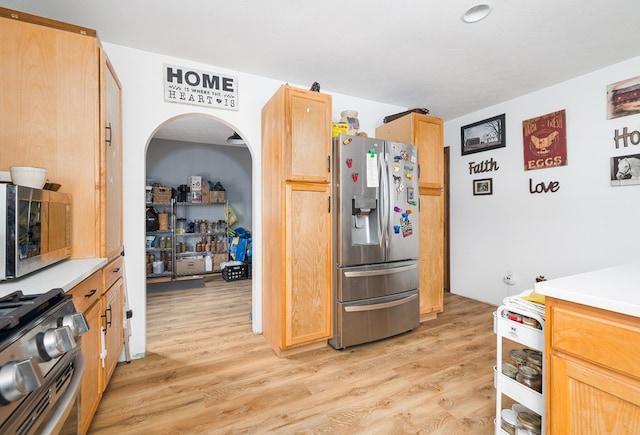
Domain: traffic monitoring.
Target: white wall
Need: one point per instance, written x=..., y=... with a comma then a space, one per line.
x=172, y=162
x=144, y=110
x=585, y=225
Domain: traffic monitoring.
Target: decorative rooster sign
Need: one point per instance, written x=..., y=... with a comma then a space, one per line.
x=545, y=141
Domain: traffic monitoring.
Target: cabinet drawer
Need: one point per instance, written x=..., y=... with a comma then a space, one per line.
x=112, y=272
x=87, y=292
x=595, y=335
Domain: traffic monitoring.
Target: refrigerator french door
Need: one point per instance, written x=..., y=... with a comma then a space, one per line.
x=375, y=240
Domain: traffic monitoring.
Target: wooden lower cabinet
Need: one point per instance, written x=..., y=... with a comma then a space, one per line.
x=307, y=290
x=593, y=380
x=91, y=389
x=431, y=252
x=102, y=344
x=87, y=298
x=112, y=307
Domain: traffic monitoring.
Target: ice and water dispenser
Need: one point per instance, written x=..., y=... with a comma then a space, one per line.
x=365, y=228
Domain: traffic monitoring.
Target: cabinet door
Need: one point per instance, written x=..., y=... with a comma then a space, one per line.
x=425, y=132
x=431, y=252
x=49, y=113
x=112, y=322
x=307, y=302
x=429, y=138
x=111, y=156
x=585, y=399
x=309, y=148
x=91, y=388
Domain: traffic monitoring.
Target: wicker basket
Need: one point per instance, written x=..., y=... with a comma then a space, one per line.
x=161, y=194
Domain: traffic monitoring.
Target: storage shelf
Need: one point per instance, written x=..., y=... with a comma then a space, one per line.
x=197, y=204
x=172, y=255
x=199, y=253
x=528, y=337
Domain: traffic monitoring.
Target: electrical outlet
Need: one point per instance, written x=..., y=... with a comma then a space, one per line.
x=510, y=279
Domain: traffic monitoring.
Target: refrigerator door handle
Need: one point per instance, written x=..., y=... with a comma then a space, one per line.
x=382, y=306
x=378, y=272
x=385, y=200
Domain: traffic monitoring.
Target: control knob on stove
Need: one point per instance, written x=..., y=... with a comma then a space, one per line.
x=54, y=342
x=17, y=379
x=76, y=322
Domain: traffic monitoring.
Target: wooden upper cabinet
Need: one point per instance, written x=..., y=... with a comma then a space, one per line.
x=58, y=95
x=111, y=158
x=427, y=133
x=308, y=138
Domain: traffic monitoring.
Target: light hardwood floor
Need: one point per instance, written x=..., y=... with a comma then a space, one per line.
x=205, y=372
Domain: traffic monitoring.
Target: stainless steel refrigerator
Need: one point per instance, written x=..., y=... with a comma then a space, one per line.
x=375, y=240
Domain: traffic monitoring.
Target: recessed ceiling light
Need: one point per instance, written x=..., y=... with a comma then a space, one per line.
x=476, y=13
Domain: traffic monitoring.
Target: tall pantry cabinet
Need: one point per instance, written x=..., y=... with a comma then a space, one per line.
x=60, y=109
x=296, y=216
x=426, y=132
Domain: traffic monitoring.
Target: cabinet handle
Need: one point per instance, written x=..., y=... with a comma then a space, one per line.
x=91, y=293
x=329, y=204
x=329, y=164
x=108, y=141
x=107, y=323
x=116, y=270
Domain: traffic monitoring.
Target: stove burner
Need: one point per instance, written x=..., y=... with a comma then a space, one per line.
x=18, y=307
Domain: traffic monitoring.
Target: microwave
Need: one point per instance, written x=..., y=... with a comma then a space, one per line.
x=35, y=229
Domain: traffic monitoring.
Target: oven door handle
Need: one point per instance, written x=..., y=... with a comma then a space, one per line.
x=382, y=306
x=65, y=404
x=378, y=272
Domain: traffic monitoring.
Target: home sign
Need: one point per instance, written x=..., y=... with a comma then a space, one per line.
x=200, y=88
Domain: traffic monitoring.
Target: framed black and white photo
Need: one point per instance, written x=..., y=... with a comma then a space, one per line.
x=483, y=135
x=483, y=186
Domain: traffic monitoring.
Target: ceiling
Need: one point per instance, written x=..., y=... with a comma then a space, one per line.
x=410, y=53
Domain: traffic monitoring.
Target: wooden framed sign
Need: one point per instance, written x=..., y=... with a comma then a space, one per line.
x=200, y=88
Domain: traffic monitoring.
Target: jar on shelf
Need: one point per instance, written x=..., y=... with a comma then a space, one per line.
x=181, y=225
x=530, y=377
x=535, y=360
x=518, y=356
x=508, y=421
x=528, y=423
x=509, y=370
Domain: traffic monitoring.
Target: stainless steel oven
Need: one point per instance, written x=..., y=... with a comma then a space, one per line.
x=41, y=363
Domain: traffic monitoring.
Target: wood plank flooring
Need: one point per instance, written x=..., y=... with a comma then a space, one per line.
x=205, y=372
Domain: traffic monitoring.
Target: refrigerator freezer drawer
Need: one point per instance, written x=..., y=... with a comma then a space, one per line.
x=372, y=281
x=373, y=319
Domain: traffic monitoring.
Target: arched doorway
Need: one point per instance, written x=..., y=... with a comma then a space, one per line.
x=196, y=144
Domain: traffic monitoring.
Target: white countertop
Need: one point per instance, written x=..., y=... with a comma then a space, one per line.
x=65, y=275
x=615, y=288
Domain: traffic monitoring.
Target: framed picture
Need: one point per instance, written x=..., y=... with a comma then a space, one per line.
x=623, y=98
x=545, y=141
x=484, y=135
x=483, y=186
x=625, y=170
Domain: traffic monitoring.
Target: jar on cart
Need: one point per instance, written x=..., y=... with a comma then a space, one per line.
x=530, y=377
x=528, y=423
